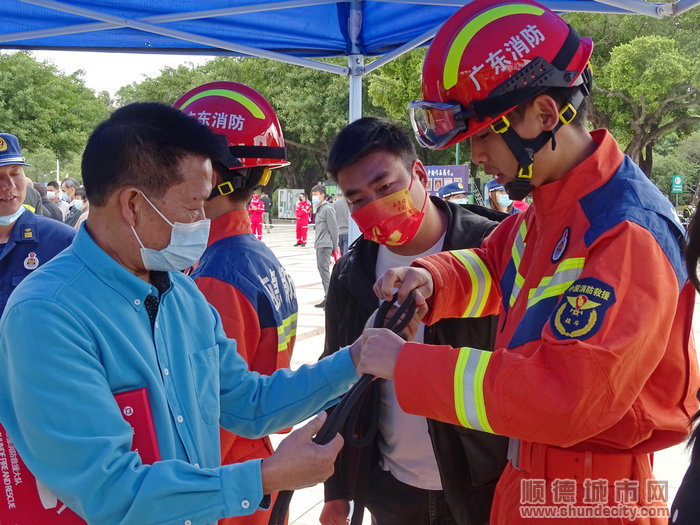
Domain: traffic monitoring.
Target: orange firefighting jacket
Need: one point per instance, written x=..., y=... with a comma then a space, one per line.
x=255, y=297
x=594, y=347
x=256, y=207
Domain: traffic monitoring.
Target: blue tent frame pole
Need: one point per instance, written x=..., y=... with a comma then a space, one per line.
x=356, y=60
x=356, y=65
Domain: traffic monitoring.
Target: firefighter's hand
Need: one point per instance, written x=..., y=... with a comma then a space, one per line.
x=298, y=462
x=335, y=512
x=377, y=350
x=404, y=279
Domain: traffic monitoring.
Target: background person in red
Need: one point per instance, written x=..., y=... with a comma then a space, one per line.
x=302, y=214
x=594, y=365
x=237, y=273
x=256, y=207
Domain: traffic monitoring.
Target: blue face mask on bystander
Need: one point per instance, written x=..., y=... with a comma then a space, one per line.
x=187, y=244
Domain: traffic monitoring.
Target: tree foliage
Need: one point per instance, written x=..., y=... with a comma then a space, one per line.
x=645, y=84
x=46, y=109
x=167, y=87
x=648, y=89
x=646, y=92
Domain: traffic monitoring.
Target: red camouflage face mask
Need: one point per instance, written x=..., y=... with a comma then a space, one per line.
x=392, y=220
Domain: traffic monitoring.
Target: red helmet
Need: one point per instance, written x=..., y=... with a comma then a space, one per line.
x=489, y=57
x=244, y=117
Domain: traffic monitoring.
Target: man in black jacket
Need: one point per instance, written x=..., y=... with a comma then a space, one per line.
x=413, y=471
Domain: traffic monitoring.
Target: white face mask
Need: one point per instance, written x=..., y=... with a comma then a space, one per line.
x=459, y=201
x=6, y=220
x=187, y=244
x=50, y=195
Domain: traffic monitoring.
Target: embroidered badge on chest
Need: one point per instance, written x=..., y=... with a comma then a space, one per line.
x=561, y=246
x=581, y=310
x=31, y=262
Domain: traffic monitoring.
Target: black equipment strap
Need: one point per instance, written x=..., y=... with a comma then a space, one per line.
x=343, y=411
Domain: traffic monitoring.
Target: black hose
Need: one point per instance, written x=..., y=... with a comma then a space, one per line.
x=344, y=410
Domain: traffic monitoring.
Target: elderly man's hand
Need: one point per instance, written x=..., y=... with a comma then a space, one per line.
x=377, y=350
x=298, y=462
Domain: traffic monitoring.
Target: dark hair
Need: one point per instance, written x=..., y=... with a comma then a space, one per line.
x=245, y=192
x=142, y=144
x=367, y=135
x=38, y=186
x=80, y=193
x=692, y=254
x=53, y=184
x=562, y=96
x=692, y=250
x=319, y=189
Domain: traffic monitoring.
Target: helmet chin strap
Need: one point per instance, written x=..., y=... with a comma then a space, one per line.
x=524, y=149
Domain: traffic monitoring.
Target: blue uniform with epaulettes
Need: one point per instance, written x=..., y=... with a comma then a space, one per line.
x=33, y=241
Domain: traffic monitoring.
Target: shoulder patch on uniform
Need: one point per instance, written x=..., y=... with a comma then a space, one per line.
x=582, y=308
x=28, y=233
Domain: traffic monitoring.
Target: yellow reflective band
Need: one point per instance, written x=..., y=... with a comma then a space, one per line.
x=517, y=286
x=29, y=207
x=286, y=331
x=242, y=99
x=459, y=44
x=551, y=286
x=479, y=391
x=459, y=392
x=469, y=388
x=516, y=255
x=519, y=245
x=480, y=279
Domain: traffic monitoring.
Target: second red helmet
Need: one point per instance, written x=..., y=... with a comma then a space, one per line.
x=243, y=116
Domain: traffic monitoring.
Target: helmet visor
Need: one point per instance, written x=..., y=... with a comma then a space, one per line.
x=437, y=123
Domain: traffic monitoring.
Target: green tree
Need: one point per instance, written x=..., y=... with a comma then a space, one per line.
x=167, y=87
x=648, y=88
x=683, y=159
x=645, y=87
x=393, y=86
x=45, y=108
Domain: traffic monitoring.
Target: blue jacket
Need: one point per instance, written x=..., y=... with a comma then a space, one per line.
x=57, y=404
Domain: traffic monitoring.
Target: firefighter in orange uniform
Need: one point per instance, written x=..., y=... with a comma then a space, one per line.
x=256, y=207
x=302, y=214
x=238, y=274
x=595, y=366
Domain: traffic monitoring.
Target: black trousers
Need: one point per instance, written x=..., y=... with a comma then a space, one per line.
x=392, y=502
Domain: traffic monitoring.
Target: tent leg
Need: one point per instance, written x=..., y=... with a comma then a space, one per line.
x=356, y=65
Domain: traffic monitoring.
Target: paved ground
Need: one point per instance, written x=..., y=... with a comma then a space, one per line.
x=669, y=464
